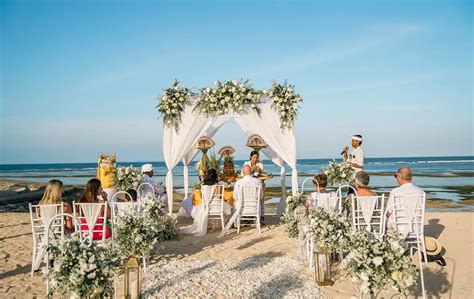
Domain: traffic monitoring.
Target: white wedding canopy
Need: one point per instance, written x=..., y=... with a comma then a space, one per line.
x=179, y=146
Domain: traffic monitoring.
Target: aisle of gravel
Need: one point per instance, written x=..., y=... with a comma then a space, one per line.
x=260, y=276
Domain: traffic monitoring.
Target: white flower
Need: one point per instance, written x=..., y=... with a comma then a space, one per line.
x=377, y=261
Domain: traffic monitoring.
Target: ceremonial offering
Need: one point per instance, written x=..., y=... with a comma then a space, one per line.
x=106, y=170
x=228, y=173
x=256, y=142
x=204, y=143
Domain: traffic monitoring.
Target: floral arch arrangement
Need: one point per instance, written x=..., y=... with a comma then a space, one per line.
x=226, y=97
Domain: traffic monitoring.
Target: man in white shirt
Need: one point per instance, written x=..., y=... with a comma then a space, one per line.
x=160, y=192
x=356, y=156
x=249, y=181
x=404, y=178
x=404, y=194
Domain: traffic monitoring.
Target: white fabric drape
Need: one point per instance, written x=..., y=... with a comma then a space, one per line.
x=272, y=155
x=367, y=206
x=281, y=141
x=199, y=226
x=189, y=156
x=177, y=144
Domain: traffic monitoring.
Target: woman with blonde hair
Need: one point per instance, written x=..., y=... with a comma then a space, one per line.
x=53, y=195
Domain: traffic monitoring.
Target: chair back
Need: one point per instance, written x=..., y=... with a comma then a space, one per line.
x=216, y=205
x=117, y=194
x=408, y=215
x=306, y=180
x=89, y=214
x=40, y=216
x=120, y=209
x=250, y=201
x=144, y=191
x=368, y=213
x=329, y=201
x=49, y=227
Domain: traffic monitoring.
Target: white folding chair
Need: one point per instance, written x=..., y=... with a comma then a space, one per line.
x=216, y=205
x=50, y=226
x=40, y=216
x=403, y=217
x=89, y=214
x=250, y=210
x=405, y=222
x=368, y=213
x=306, y=180
x=144, y=191
x=117, y=194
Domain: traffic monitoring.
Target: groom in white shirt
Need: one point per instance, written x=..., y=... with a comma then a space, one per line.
x=249, y=181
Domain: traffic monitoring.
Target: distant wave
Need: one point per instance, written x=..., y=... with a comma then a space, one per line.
x=422, y=162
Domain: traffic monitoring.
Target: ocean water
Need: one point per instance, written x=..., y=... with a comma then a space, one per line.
x=442, y=177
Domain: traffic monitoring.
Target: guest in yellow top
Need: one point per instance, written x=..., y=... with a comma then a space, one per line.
x=256, y=167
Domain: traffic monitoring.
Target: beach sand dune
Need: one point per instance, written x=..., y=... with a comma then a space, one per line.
x=259, y=252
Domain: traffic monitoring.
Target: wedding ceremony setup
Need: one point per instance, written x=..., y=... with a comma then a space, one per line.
x=112, y=241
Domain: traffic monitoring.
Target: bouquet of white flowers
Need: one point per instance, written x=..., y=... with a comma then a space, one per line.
x=136, y=234
x=83, y=270
x=285, y=101
x=228, y=96
x=126, y=178
x=339, y=173
x=289, y=217
x=172, y=103
x=375, y=265
x=330, y=231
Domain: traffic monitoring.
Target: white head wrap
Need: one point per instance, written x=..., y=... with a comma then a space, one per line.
x=356, y=138
x=147, y=167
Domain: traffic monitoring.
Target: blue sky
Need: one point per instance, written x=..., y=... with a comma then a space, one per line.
x=82, y=77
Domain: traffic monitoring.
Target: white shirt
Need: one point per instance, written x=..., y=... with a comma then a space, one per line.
x=249, y=163
x=159, y=189
x=247, y=181
x=405, y=189
x=357, y=156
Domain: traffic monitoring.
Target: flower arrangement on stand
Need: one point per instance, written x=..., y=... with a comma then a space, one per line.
x=127, y=178
x=136, y=234
x=228, y=96
x=172, y=103
x=81, y=269
x=289, y=218
x=375, y=265
x=339, y=173
x=285, y=100
x=330, y=231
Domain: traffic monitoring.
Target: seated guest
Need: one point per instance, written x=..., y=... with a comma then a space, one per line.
x=147, y=177
x=132, y=197
x=52, y=195
x=95, y=194
x=320, y=182
x=249, y=181
x=406, y=188
x=212, y=179
x=362, y=179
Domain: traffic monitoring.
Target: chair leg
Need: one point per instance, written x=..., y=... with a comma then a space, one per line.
x=238, y=225
x=425, y=256
x=258, y=225
x=33, y=263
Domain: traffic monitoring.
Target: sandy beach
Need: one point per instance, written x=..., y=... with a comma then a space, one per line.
x=263, y=254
